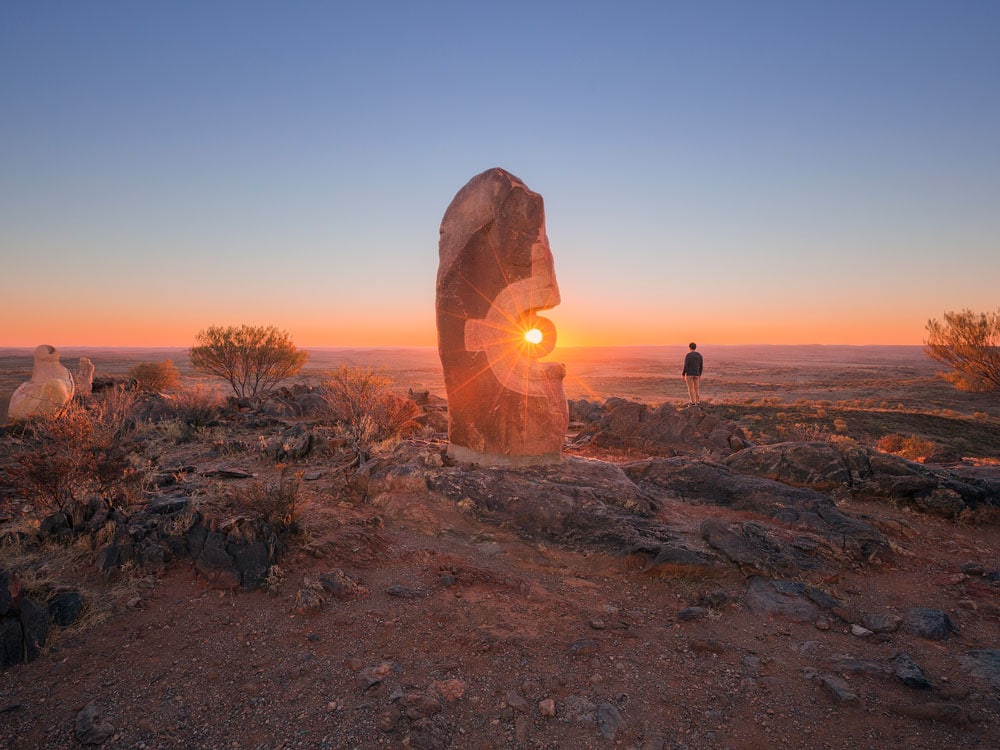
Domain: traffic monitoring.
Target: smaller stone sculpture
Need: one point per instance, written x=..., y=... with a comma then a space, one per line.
x=84, y=378
x=49, y=390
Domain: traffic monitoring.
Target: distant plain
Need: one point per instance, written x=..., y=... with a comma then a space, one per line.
x=777, y=392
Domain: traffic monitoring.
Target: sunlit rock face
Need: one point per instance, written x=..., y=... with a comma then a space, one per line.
x=48, y=391
x=496, y=272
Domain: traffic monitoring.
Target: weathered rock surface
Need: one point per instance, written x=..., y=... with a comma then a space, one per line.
x=663, y=430
x=495, y=273
x=867, y=474
x=49, y=390
x=690, y=481
x=577, y=501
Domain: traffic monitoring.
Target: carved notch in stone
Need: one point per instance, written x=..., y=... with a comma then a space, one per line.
x=496, y=273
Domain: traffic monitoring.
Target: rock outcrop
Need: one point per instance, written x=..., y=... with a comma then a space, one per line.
x=867, y=474
x=662, y=431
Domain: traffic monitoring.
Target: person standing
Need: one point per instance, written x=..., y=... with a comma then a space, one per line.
x=693, y=364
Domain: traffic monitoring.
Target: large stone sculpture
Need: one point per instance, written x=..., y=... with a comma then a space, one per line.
x=84, y=378
x=49, y=390
x=495, y=274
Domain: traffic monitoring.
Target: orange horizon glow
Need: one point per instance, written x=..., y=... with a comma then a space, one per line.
x=414, y=332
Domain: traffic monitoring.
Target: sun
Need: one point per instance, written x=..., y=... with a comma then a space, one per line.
x=533, y=336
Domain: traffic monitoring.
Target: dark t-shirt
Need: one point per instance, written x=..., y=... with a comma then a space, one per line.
x=692, y=364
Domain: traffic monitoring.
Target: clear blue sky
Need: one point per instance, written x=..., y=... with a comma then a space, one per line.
x=730, y=172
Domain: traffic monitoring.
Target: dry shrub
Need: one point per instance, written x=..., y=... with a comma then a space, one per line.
x=910, y=447
x=156, y=376
x=276, y=503
x=199, y=406
x=84, y=450
x=368, y=413
x=840, y=425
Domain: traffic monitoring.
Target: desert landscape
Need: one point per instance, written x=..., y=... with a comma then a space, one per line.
x=752, y=573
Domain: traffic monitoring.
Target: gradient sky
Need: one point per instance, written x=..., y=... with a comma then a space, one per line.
x=726, y=172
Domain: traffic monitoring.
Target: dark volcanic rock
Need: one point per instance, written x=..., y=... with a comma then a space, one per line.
x=984, y=664
x=867, y=474
x=699, y=481
x=908, y=672
x=782, y=599
x=664, y=430
x=579, y=501
x=65, y=608
x=751, y=545
x=90, y=727
x=928, y=623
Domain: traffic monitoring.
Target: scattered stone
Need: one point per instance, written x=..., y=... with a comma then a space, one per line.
x=516, y=701
x=984, y=664
x=449, y=690
x=90, y=728
x=882, y=623
x=782, y=599
x=928, y=623
x=859, y=632
x=692, y=613
x=341, y=586
x=609, y=720
x=908, y=672
x=973, y=569
x=547, y=707
x=838, y=688
x=583, y=647
x=309, y=599
x=419, y=705
x=65, y=608
x=598, y=624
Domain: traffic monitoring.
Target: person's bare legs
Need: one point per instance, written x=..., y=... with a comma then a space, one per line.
x=692, y=385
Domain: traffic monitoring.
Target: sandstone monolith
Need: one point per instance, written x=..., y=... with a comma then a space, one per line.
x=48, y=391
x=496, y=273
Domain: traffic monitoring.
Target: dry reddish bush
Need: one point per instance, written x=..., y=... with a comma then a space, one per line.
x=369, y=414
x=84, y=450
x=912, y=447
x=276, y=503
x=156, y=376
x=198, y=406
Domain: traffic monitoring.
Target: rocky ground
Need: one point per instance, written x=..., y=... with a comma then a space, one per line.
x=624, y=599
